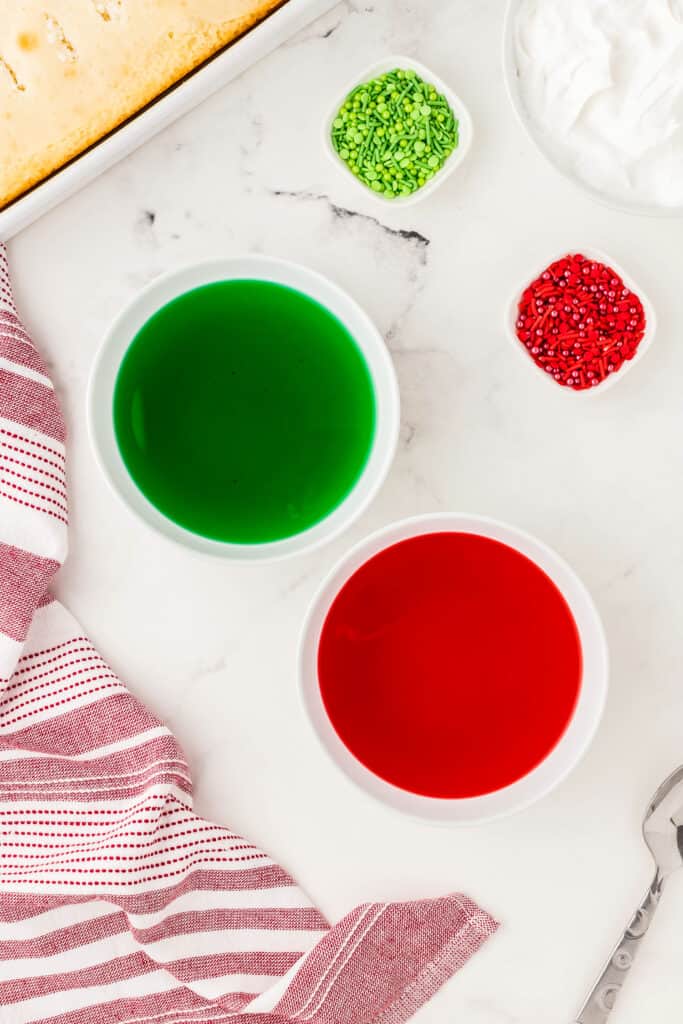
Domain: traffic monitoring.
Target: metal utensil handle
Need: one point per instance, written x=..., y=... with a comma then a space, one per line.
x=600, y=1002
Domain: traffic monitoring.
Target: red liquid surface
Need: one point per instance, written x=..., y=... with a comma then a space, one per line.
x=449, y=665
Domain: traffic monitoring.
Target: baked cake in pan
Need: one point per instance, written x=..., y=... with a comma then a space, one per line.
x=72, y=70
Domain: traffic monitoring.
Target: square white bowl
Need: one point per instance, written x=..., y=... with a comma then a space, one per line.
x=512, y=312
x=456, y=104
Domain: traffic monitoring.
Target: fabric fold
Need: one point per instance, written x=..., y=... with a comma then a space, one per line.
x=118, y=903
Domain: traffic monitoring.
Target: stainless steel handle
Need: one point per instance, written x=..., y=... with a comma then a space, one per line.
x=600, y=1002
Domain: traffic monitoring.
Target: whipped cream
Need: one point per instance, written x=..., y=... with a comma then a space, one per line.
x=602, y=84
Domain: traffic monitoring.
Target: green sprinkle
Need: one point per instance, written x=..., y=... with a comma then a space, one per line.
x=394, y=133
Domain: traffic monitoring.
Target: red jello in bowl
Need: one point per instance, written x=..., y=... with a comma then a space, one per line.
x=453, y=667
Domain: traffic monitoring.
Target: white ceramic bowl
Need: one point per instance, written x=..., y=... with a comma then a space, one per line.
x=455, y=103
x=543, y=144
x=512, y=309
x=576, y=738
x=329, y=295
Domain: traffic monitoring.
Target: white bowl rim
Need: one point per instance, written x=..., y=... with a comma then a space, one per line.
x=598, y=256
x=598, y=196
x=161, y=290
x=465, y=127
x=571, y=746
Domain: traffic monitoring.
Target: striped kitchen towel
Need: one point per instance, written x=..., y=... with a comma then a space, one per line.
x=118, y=903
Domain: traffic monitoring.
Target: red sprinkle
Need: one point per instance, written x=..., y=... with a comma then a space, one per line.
x=579, y=322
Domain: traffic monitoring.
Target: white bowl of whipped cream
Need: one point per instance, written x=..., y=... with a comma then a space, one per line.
x=598, y=85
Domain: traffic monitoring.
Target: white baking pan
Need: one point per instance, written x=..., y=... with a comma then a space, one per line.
x=207, y=79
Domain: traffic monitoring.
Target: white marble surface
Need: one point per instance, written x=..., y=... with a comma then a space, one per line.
x=211, y=647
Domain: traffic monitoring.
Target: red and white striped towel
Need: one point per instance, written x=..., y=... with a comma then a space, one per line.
x=117, y=902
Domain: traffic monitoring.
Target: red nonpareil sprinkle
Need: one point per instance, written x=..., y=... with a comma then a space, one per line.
x=579, y=322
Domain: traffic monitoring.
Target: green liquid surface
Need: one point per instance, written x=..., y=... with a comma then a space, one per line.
x=244, y=411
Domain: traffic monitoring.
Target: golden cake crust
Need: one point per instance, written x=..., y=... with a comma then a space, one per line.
x=72, y=70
